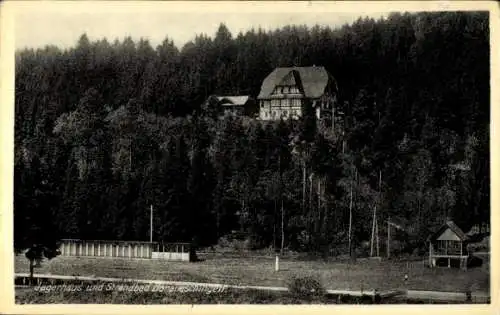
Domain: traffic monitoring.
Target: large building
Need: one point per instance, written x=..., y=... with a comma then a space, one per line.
x=284, y=91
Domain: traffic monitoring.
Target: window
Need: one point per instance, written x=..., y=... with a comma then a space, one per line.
x=448, y=247
x=441, y=246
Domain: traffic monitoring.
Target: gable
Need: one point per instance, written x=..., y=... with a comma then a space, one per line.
x=290, y=84
x=448, y=235
x=289, y=79
x=313, y=80
x=448, y=231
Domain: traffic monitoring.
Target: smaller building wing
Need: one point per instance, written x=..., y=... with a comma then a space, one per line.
x=239, y=100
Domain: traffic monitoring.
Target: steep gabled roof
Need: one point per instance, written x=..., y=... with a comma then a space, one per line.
x=453, y=227
x=313, y=79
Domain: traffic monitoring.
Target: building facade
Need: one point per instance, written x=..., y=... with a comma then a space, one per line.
x=285, y=90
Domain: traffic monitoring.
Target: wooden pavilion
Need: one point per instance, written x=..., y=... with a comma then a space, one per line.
x=448, y=242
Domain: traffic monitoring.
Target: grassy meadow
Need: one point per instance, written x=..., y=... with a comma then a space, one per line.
x=365, y=274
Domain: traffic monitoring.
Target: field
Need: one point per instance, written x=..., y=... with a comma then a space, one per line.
x=252, y=270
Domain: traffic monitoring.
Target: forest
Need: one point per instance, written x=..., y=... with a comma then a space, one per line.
x=107, y=128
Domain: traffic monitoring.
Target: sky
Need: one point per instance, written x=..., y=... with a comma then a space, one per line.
x=62, y=23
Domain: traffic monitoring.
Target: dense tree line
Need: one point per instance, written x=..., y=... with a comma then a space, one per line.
x=103, y=130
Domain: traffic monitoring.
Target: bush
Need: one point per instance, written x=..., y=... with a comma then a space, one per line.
x=481, y=244
x=239, y=242
x=306, y=287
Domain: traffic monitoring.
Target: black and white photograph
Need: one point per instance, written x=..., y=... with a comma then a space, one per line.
x=251, y=153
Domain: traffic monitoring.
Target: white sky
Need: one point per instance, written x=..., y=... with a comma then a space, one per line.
x=38, y=23
x=61, y=23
